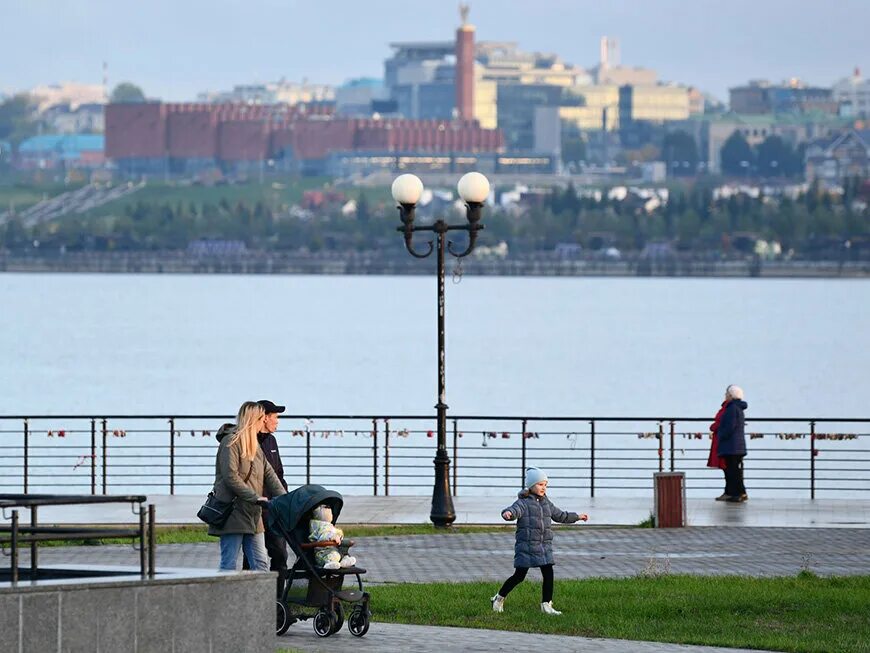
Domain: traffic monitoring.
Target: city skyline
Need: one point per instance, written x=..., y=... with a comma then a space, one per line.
x=767, y=39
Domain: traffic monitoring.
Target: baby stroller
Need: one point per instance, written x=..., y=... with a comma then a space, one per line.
x=311, y=591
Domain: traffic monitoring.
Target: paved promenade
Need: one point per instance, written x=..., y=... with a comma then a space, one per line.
x=581, y=552
x=763, y=537
x=603, y=511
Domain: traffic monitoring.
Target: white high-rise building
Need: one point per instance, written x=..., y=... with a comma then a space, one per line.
x=852, y=94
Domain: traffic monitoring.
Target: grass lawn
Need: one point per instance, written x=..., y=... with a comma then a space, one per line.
x=804, y=613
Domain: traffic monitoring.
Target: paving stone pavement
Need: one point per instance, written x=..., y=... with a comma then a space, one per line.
x=397, y=638
x=581, y=552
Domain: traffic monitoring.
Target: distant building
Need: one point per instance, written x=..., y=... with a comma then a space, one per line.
x=362, y=97
x=280, y=92
x=188, y=138
x=839, y=156
x=52, y=151
x=712, y=130
x=761, y=97
x=72, y=94
x=421, y=79
x=440, y=80
x=852, y=94
x=655, y=104
x=610, y=70
x=504, y=63
x=596, y=108
x=517, y=104
x=83, y=119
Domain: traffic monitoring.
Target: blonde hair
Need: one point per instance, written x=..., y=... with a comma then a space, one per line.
x=248, y=423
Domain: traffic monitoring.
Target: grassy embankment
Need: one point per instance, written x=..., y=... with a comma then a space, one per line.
x=800, y=614
x=273, y=193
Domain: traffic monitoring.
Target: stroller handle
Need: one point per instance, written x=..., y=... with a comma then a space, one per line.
x=318, y=545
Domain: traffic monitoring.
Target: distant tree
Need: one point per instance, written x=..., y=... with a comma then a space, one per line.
x=736, y=156
x=18, y=119
x=680, y=153
x=776, y=158
x=573, y=150
x=363, y=212
x=125, y=92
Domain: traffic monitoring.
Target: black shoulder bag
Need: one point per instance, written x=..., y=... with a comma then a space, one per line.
x=215, y=512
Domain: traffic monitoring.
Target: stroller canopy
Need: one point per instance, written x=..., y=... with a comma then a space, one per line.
x=291, y=508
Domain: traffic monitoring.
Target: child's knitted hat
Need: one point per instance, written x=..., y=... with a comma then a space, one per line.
x=534, y=475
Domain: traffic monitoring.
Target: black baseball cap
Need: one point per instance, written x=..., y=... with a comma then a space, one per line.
x=269, y=407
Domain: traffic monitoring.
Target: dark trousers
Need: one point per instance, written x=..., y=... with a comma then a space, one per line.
x=734, y=486
x=520, y=575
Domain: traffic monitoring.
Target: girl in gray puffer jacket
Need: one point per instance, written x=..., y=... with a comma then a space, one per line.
x=534, y=548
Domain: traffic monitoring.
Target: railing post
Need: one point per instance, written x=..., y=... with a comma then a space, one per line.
x=142, y=540
x=592, y=458
x=152, y=538
x=672, y=445
x=171, y=455
x=813, y=459
x=14, y=544
x=455, y=456
x=386, y=456
x=307, y=455
x=661, y=438
x=523, y=455
x=93, y=456
x=26, y=451
x=105, y=436
x=34, y=545
x=375, y=456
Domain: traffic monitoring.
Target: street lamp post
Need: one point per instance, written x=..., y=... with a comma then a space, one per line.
x=474, y=189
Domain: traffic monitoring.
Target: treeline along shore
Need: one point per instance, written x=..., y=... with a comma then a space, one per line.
x=362, y=263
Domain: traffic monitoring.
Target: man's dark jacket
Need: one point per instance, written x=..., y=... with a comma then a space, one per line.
x=269, y=445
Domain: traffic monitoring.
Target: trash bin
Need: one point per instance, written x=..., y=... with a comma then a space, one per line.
x=670, y=499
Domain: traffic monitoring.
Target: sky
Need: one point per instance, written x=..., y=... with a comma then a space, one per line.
x=175, y=49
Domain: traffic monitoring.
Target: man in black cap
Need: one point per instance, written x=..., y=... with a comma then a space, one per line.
x=275, y=544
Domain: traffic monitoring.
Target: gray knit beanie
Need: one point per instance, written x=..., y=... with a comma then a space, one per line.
x=534, y=475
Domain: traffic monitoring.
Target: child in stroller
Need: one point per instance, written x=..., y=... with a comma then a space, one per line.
x=311, y=590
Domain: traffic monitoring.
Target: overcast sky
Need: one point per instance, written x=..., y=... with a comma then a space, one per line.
x=174, y=49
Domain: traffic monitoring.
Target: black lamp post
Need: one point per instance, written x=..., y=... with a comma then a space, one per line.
x=474, y=189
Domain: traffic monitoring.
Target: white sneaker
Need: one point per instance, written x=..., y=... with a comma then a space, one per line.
x=547, y=608
x=497, y=603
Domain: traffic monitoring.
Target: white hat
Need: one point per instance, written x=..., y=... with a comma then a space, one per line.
x=533, y=476
x=734, y=391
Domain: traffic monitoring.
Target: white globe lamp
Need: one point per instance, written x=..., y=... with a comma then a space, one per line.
x=407, y=189
x=473, y=187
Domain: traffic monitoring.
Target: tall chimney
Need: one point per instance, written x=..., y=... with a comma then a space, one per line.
x=465, y=67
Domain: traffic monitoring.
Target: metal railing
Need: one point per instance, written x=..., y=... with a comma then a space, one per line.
x=174, y=454
x=15, y=534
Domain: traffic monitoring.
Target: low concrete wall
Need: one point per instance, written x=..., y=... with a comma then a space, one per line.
x=233, y=613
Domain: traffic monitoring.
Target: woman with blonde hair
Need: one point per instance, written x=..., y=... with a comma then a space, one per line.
x=243, y=475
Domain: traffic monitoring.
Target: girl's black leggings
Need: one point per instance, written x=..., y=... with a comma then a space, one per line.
x=520, y=575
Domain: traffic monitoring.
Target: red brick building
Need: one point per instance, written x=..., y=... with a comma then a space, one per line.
x=150, y=138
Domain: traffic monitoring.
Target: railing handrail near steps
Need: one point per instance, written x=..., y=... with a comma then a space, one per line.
x=382, y=454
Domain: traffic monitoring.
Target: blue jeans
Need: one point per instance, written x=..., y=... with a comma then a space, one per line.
x=255, y=551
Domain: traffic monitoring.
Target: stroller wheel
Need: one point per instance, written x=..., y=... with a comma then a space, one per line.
x=324, y=621
x=283, y=622
x=358, y=622
x=339, y=618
